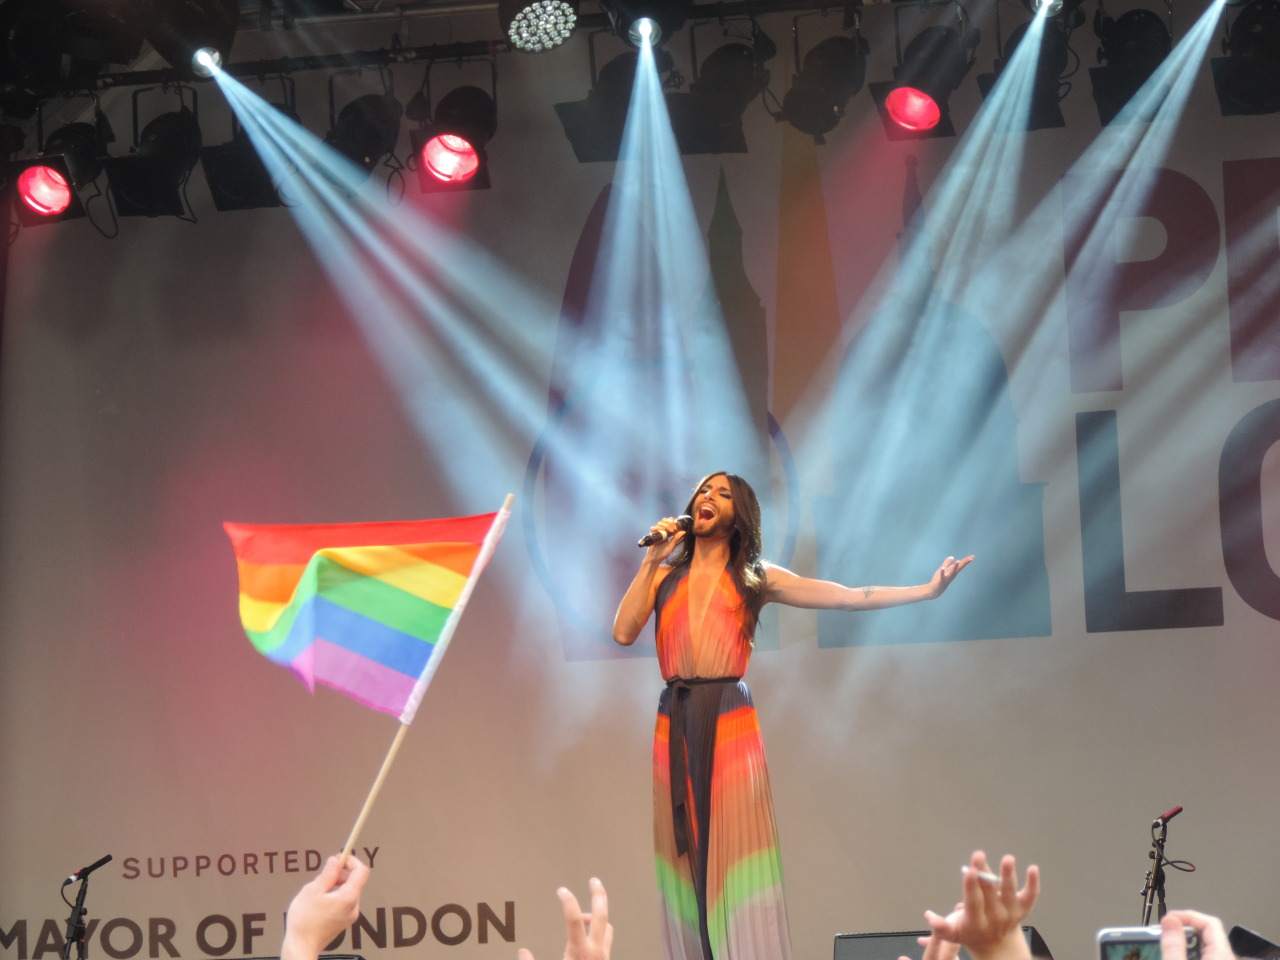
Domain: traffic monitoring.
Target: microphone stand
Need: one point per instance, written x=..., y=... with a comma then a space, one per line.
x=1153, y=887
x=75, y=925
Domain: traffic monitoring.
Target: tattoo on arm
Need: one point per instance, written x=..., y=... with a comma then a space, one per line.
x=868, y=591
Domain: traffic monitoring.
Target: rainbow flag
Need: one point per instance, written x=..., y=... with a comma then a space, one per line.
x=365, y=608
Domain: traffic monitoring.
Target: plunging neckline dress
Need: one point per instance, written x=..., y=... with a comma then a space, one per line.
x=715, y=840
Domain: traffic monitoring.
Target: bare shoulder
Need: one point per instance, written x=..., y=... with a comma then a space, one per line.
x=775, y=569
x=775, y=575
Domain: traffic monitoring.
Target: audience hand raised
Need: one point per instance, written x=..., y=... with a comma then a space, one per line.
x=988, y=923
x=323, y=908
x=587, y=937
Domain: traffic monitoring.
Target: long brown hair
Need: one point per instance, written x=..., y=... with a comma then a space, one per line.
x=744, y=540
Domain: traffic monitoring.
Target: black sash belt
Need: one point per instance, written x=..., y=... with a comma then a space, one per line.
x=704, y=709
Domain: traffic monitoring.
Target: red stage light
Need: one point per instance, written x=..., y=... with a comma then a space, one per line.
x=44, y=190
x=912, y=109
x=450, y=159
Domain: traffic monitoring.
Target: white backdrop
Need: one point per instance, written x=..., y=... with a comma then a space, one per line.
x=181, y=375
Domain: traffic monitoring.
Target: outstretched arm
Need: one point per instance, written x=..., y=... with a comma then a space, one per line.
x=783, y=586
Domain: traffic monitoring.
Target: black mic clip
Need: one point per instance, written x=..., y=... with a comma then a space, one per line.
x=85, y=871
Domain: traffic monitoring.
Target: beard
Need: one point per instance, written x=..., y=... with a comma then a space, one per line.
x=720, y=527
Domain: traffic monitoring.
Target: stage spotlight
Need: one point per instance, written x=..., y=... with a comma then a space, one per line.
x=618, y=76
x=1067, y=10
x=82, y=146
x=366, y=130
x=181, y=30
x=237, y=177
x=1247, y=79
x=151, y=181
x=1133, y=46
x=708, y=119
x=594, y=126
x=449, y=151
x=43, y=190
x=646, y=22
x=537, y=25
x=205, y=61
x=914, y=104
x=734, y=74
x=46, y=186
x=1047, y=88
x=832, y=72
x=644, y=32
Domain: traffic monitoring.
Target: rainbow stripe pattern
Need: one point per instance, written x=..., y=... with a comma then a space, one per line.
x=365, y=608
x=741, y=896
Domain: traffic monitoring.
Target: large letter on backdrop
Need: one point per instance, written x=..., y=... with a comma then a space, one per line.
x=1108, y=605
x=1099, y=287
x=1244, y=547
x=1251, y=193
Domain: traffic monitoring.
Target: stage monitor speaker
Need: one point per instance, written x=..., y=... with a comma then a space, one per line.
x=891, y=946
x=1246, y=943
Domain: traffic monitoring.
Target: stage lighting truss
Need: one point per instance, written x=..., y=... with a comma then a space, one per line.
x=449, y=144
x=646, y=21
x=1247, y=78
x=1132, y=47
x=913, y=105
x=830, y=75
x=290, y=10
x=367, y=129
x=536, y=25
x=1056, y=62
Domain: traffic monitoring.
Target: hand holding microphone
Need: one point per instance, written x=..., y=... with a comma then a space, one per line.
x=682, y=523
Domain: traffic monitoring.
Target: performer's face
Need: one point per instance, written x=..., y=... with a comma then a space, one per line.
x=713, y=508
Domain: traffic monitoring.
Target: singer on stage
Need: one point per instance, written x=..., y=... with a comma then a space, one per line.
x=719, y=871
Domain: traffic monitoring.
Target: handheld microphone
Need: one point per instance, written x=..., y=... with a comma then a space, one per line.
x=85, y=871
x=1166, y=817
x=684, y=522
